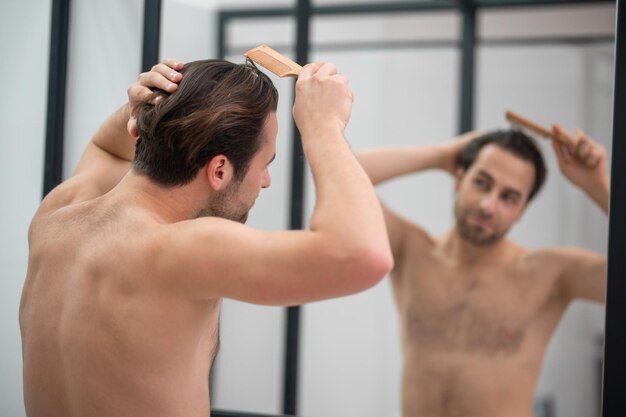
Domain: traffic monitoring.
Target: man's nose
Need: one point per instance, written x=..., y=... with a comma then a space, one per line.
x=267, y=180
x=488, y=203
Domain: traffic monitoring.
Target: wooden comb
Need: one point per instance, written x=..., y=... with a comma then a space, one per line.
x=273, y=61
x=535, y=127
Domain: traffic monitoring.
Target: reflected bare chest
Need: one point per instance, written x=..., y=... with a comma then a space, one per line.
x=488, y=310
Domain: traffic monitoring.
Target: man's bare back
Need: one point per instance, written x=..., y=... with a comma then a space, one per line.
x=474, y=337
x=128, y=265
x=99, y=325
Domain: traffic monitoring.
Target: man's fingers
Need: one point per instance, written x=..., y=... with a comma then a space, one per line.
x=309, y=69
x=595, y=155
x=343, y=79
x=327, y=70
x=575, y=143
x=154, y=79
x=561, y=133
x=585, y=149
x=172, y=63
x=560, y=152
x=163, y=76
x=471, y=135
x=582, y=149
x=591, y=160
x=168, y=72
x=138, y=93
x=322, y=69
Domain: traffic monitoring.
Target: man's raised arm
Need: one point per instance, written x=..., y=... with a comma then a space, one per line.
x=386, y=163
x=112, y=147
x=108, y=155
x=346, y=249
x=584, y=163
x=346, y=202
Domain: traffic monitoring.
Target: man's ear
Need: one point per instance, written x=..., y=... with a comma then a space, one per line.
x=131, y=126
x=220, y=172
x=459, y=173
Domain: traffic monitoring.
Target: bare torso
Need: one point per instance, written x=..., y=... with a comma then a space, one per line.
x=102, y=335
x=473, y=336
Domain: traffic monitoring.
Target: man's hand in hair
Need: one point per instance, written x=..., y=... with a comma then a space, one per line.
x=584, y=163
x=163, y=76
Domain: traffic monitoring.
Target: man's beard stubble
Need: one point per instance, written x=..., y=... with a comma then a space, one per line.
x=224, y=206
x=475, y=234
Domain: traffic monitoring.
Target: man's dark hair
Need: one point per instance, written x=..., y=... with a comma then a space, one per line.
x=219, y=108
x=513, y=141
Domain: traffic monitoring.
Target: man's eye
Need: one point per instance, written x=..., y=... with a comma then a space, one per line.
x=510, y=198
x=480, y=183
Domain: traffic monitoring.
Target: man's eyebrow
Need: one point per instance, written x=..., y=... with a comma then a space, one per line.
x=514, y=192
x=485, y=174
x=507, y=189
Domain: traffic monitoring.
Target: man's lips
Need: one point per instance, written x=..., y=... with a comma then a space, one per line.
x=482, y=222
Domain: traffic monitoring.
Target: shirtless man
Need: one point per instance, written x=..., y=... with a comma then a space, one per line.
x=129, y=262
x=477, y=310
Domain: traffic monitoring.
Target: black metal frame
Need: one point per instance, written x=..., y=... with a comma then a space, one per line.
x=151, y=34
x=613, y=398
x=468, y=58
x=296, y=221
x=614, y=403
x=55, y=119
x=224, y=413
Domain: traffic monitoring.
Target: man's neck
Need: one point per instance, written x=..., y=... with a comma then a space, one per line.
x=169, y=204
x=472, y=255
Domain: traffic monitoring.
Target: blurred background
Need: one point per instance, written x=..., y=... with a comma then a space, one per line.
x=551, y=63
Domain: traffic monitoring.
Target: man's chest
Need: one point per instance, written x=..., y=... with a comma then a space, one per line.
x=488, y=310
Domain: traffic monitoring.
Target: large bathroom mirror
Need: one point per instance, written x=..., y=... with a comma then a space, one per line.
x=418, y=79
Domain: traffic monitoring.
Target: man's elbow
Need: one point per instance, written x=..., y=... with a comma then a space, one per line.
x=373, y=263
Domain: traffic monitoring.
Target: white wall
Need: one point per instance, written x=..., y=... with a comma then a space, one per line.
x=104, y=59
x=24, y=45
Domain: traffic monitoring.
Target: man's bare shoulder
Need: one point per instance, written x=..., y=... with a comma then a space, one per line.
x=74, y=190
x=214, y=238
x=551, y=255
x=537, y=257
x=64, y=205
x=417, y=245
x=417, y=235
x=552, y=261
x=208, y=228
x=198, y=246
x=576, y=272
